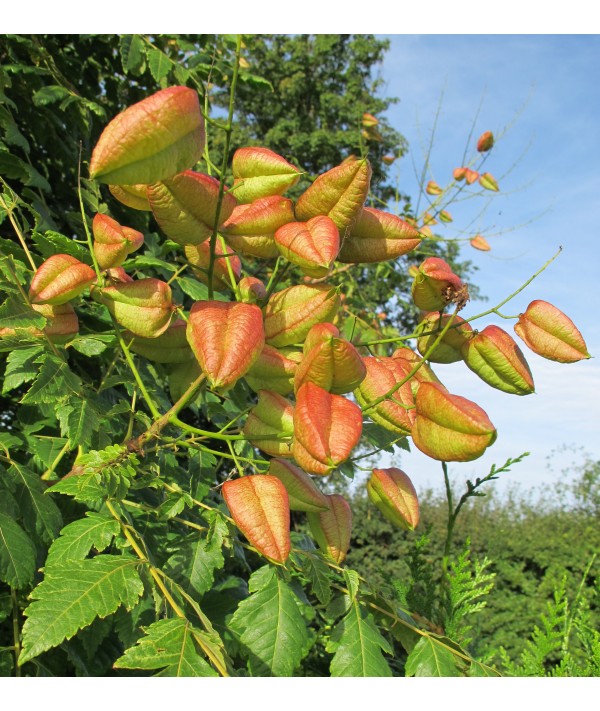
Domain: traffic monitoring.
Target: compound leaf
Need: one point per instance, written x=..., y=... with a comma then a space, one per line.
x=40, y=514
x=17, y=554
x=78, y=538
x=431, y=657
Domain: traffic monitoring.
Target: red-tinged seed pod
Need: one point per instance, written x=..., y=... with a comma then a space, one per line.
x=389, y=159
x=394, y=495
x=113, y=242
x=332, y=529
x=329, y=361
x=274, y=369
x=369, y=121
x=448, y=427
x=303, y=493
x=312, y=245
x=485, y=142
x=270, y=424
x=445, y=216
x=170, y=347
x=496, y=358
x=480, y=243
x=396, y=412
x=144, y=307
x=291, y=313
x=487, y=181
x=436, y=285
x=550, y=333
x=226, y=264
x=59, y=279
x=339, y=193
x=227, y=338
x=259, y=172
x=151, y=140
x=118, y=275
x=326, y=429
x=250, y=229
x=429, y=219
x=432, y=188
x=459, y=174
x=449, y=350
x=185, y=206
x=252, y=290
x=408, y=360
x=61, y=324
x=134, y=196
x=377, y=236
x=259, y=506
x=471, y=176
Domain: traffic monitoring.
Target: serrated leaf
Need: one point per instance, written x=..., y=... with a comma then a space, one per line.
x=52, y=242
x=431, y=657
x=73, y=594
x=91, y=346
x=318, y=574
x=131, y=48
x=40, y=514
x=193, y=288
x=15, y=314
x=17, y=554
x=479, y=669
x=55, y=380
x=20, y=367
x=50, y=95
x=167, y=645
x=270, y=626
x=78, y=538
x=358, y=645
x=158, y=63
x=79, y=419
x=352, y=579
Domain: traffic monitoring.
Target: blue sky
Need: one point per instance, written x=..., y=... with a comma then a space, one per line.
x=540, y=96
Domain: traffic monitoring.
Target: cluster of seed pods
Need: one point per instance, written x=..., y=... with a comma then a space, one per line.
x=313, y=386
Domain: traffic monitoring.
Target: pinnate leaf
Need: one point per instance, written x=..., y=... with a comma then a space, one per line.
x=73, y=594
x=167, y=645
x=431, y=657
x=271, y=626
x=17, y=554
x=358, y=646
x=78, y=538
x=41, y=515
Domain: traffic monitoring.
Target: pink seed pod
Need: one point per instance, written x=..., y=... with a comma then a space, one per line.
x=59, y=279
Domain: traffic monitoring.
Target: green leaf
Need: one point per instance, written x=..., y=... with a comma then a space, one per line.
x=52, y=242
x=158, y=63
x=79, y=419
x=193, y=288
x=357, y=644
x=318, y=574
x=73, y=594
x=55, y=380
x=15, y=314
x=132, y=50
x=270, y=625
x=17, y=554
x=21, y=367
x=432, y=657
x=92, y=345
x=167, y=645
x=198, y=558
x=40, y=514
x=78, y=538
x=50, y=95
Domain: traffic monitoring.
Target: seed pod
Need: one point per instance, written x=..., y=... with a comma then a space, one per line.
x=550, y=333
x=394, y=495
x=113, y=243
x=377, y=236
x=488, y=182
x=339, y=193
x=170, y=347
x=459, y=174
x=133, y=196
x=117, y=275
x=199, y=256
x=259, y=506
x=151, y=140
x=480, y=243
x=61, y=325
x=274, y=370
x=393, y=413
x=259, y=172
x=59, y=279
x=251, y=228
x=485, y=142
x=369, y=121
x=143, y=307
x=326, y=429
x=471, y=176
x=495, y=357
x=445, y=216
x=185, y=206
x=432, y=188
x=408, y=359
x=252, y=290
x=436, y=286
x=226, y=337
x=270, y=424
x=449, y=349
x=448, y=427
x=291, y=313
x=329, y=361
x=332, y=529
x=312, y=245
x=304, y=495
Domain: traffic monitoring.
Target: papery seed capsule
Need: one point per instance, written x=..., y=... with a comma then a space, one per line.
x=488, y=182
x=332, y=529
x=312, y=245
x=227, y=266
x=480, y=243
x=59, y=279
x=270, y=424
x=274, y=369
x=449, y=349
x=304, y=495
x=170, y=347
x=113, y=243
x=432, y=188
x=252, y=290
x=394, y=495
x=259, y=506
x=485, y=142
x=259, y=172
x=436, y=286
x=134, y=196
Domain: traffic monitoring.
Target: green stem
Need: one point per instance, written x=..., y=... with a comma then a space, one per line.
x=138, y=378
x=16, y=630
x=88, y=235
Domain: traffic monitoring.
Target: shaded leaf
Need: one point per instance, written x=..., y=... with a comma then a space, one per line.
x=15, y=314
x=17, y=554
x=20, y=367
x=318, y=574
x=431, y=657
x=40, y=514
x=55, y=380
